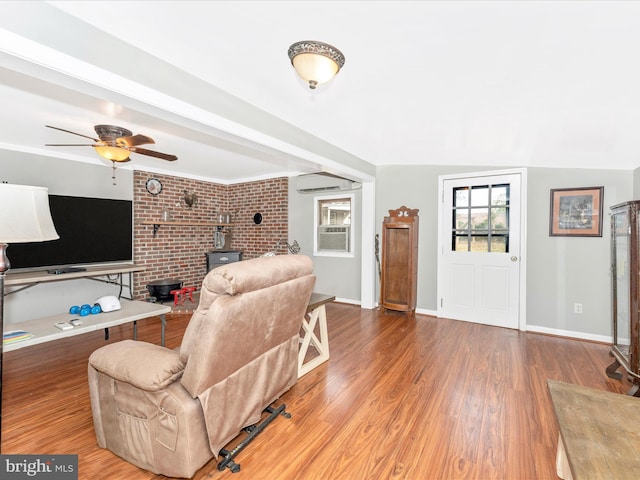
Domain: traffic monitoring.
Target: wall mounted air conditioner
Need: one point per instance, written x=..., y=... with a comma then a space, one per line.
x=334, y=238
x=324, y=182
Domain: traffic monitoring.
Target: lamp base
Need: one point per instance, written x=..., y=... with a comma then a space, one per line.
x=4, y=260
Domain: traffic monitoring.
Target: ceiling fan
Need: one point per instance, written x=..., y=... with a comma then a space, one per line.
x=114, y=143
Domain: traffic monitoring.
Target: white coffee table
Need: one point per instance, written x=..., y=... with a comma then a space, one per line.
x=44, y=330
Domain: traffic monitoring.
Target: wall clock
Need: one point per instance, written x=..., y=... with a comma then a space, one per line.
x=154, y=187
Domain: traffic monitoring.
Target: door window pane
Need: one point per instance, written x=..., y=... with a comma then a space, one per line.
x=479, y=244
x=461, y=197
x=499, y=194
x=500, y=218
x=480, y=219
x=479, y=196
x=461, y=243
x=498, y=244
x=461, y=219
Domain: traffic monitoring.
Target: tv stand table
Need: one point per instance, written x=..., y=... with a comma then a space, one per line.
x=29, y=279
x=44, y=329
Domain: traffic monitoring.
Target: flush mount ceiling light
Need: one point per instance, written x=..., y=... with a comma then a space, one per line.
x=315, y=62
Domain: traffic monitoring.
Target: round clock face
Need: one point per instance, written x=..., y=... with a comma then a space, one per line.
x=154, y=187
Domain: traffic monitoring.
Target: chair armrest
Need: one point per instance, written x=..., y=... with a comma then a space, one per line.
x=144, y=365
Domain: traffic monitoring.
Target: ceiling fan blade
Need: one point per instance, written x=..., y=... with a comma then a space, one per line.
x=135, y=140
x=151, y=153
x=73, y=133
x=69, y=145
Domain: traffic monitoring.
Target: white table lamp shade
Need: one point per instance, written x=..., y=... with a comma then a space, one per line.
x=25, y=215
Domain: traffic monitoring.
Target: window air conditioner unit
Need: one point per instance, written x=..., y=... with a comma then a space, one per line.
x=324, y=182
x=333, y=238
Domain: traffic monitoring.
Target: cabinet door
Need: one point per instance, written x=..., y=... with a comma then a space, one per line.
x=398, y=284
x=397, y=267
x=620, y=252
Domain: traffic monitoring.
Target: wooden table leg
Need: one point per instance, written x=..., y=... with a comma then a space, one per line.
x=562, y=462
x=317, y=316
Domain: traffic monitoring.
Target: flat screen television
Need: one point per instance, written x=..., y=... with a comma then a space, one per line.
x=92, y=231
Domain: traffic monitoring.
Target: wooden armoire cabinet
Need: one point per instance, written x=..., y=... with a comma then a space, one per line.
x=625, y=250
x=399, y=262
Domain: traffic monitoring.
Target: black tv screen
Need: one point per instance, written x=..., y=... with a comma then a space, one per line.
x=92, y=230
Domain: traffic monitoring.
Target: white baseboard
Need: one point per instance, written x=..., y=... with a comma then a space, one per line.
x=569, y=333
x=348, y=300
x=529, y=328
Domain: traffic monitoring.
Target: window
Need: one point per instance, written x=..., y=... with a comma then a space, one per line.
x=333, y=235
x=481, y=219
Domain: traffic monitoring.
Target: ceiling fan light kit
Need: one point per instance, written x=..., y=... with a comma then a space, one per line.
x=115, y=154
x=115, y=143
x=315, y=62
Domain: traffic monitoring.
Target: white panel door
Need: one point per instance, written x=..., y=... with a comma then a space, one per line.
x=479, y=242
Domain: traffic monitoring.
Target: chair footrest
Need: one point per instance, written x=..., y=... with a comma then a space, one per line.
x=253, y=431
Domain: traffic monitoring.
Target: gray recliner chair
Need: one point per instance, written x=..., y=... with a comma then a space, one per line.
x=171, y=411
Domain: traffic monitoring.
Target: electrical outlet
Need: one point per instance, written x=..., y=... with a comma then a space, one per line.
x=577, y=308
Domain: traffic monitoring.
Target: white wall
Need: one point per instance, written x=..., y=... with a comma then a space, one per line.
x=62, y=178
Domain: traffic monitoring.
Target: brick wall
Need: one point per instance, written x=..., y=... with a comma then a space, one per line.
x=270, y=198
x=178, y=251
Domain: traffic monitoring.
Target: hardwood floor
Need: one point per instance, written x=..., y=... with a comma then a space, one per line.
x=409, y=399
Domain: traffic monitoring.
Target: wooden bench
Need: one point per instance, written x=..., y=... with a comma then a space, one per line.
x=599, y=433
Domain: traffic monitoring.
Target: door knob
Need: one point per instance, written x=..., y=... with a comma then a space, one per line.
x=514, y=258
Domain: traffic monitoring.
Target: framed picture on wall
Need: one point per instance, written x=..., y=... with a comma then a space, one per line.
x=576, y=212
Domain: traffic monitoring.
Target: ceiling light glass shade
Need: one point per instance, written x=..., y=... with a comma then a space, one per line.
x=315, y=62
x=115, y=154
x=25, y=215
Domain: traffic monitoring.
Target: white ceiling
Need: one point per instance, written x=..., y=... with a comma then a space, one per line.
x=504, y=83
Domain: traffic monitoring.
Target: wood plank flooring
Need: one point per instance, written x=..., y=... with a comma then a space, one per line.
x=400, y=398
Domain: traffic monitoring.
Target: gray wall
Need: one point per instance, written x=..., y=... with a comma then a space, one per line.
x=62, y=178
x=415, y=186
x=567, y=270
x=335, y=275
x=560, y=271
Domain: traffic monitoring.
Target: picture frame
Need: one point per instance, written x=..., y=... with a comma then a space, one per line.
x=576, y=212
